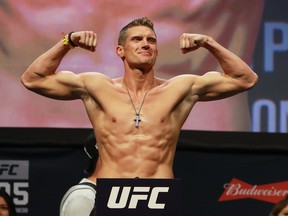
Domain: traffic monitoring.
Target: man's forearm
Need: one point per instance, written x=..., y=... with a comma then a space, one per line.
x=47, y=63
x=231, y=64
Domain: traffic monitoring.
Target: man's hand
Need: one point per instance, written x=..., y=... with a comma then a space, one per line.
x=85, y=39
x=191, y=42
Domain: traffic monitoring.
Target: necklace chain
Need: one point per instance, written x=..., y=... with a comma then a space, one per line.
x=137, y=118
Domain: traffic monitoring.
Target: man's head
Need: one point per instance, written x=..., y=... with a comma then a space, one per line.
x=144, y=21
x=137, y=44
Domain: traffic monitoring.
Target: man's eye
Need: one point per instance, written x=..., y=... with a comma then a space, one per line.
x=136, y=39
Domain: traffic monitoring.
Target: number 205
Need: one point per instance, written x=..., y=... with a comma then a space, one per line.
x=18, y=190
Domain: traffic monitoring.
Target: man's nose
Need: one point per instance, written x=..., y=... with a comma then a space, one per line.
x=145, y=43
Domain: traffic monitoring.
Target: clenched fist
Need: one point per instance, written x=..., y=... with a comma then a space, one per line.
x=191, y=42
x=85, y=39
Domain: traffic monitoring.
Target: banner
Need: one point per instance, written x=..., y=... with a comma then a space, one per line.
x=220, y=172
x=256, y=31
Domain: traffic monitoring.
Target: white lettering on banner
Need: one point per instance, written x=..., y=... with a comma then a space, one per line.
x=6, y=186
x=283, y=116
x=138, y=193
x=136, y=197
x=271, y=46
x=257, y=110
x=113, y=197
x=237, y=190
x=20, y=190
x=15, y=174
x=267, y=108
x=153, y=198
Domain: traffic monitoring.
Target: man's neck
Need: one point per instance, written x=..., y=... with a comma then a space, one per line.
x=137, y=81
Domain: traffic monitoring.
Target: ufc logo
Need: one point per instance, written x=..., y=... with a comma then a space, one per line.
x=137, y=194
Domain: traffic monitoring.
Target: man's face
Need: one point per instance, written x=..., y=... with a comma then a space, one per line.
x=140, y=48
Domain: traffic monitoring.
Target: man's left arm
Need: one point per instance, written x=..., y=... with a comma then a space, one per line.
x=237, y=76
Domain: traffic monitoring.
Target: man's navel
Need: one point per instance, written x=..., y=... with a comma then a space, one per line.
x=114, y=120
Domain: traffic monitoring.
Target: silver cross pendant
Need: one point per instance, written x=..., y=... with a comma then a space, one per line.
x=137, y=120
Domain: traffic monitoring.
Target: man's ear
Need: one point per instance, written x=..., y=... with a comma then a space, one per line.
x=120, y=51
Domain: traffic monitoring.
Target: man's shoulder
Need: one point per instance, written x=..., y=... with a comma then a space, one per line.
x=182, y=79
x=93, y=75
x=184, y=76
x=95, y=79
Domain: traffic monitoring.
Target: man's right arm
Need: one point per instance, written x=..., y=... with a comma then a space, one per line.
x=41, y=76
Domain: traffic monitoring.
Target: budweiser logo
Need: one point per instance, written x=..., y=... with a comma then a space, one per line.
x=238, y=189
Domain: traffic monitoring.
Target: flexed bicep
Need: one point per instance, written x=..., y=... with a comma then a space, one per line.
x=215, y=85
x=63, y=85
x=237, y=76
x=41, y=76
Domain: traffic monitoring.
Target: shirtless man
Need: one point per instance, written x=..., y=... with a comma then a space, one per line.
x=137, y=118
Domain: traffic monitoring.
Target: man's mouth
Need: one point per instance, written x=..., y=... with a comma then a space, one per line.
x=145, y=53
